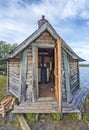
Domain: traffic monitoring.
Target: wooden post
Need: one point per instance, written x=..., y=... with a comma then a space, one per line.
x=23, y=76
x=59, y=73
x=78, y=74
x=79, y=115
x=34, y=89
x=56, y=73
x=37, y=72
x=67, y=76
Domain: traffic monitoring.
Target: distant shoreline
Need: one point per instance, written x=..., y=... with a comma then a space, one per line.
x=83, y=65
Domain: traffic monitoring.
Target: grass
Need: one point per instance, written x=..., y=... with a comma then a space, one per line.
x=70, y=117
x=30, y=117
x=3, y=84
x=56, y=116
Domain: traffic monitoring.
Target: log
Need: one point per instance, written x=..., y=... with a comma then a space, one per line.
x=23, y=122
x=6, y=104
x=5, y=99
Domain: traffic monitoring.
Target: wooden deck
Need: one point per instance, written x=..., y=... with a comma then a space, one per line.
x=77, y=102
x=43, y=105
x=50, y=105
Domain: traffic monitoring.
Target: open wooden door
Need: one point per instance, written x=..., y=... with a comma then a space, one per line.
x=57, y=72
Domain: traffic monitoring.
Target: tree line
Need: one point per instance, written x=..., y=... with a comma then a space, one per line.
x=5, y=48
x=84, y=65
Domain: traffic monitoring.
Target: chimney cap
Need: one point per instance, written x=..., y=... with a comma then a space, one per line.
x=42, y=21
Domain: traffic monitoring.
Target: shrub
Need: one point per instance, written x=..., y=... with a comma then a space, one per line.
x=56, y=116
x=86, y=117
x=30, y=117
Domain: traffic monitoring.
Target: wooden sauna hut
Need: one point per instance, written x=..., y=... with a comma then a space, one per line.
x=43, y=73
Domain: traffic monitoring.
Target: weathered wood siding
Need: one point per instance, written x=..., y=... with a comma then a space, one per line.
x=14, y=76
x=64, y=96
x=29, y=74
x=14, y=70
x=74, y=75
x=23, y=75
x=45, y=38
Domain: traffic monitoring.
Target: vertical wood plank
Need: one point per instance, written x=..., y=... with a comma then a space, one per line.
x=23, y=76
x=78, y=73
x=56, y=73
x=59, y=74
x=37, y=72
x=34, y=83
x=67, y=76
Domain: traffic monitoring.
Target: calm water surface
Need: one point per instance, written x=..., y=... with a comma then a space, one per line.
x=84, y=76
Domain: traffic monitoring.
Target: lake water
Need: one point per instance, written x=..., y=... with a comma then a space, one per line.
x=84, y=76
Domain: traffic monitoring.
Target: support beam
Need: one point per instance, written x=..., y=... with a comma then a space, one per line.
x=51, y=45
x=56, y=74
x=34, y=81
x=59, y=73
x=23, y=76
x=78, y=73
x=67, y=76
x=37, y=72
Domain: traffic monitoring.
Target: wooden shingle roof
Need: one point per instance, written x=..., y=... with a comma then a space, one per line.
x=46, y=26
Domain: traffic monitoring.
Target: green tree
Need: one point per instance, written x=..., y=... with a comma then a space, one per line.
x=5, y=48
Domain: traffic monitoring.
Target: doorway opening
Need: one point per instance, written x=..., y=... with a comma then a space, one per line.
x=46, y=78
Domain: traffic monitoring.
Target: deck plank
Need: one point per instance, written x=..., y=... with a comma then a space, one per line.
x=77, y=102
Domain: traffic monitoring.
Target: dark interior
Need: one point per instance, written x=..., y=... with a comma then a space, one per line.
x=46, y=72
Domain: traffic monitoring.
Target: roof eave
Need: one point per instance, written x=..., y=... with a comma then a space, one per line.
x=36, y=34
x=81, y=59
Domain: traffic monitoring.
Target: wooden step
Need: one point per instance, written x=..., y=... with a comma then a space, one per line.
x=33, y=109
x=38, y=103
x=41, y=106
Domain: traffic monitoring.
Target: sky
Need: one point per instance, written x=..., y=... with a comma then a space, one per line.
x=70, y=18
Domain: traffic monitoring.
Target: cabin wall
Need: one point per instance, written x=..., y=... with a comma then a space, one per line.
x=14, y=68
x=14, y=76
x=74, y=75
